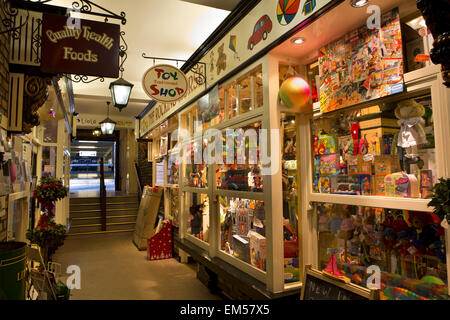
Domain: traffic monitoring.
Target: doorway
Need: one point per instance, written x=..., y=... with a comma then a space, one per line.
x=85, y=165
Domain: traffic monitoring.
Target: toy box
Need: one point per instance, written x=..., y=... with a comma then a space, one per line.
x=427, y=179
x=241, y=247
x=353, y=164
x=329, y=164
x=384, y=165
x=326, y=144
x=378, y=186
x=400, y=184
x=242, y=218
x=365, y=181
x=364, y=167
x=257, y=250
x=324, y=184
x=291, y=270
x=345, y=184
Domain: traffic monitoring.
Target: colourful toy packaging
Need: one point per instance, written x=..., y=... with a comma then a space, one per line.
x=378, y=186
x=364, y=167
x=324, y=184
x=241, y=247
x=291, y=270
x=385, y=165
x=426, y=182
x=329, y=164
x=257, y=250
x=345, y=184
x=400, y=184
x=352, y=164
x=365, y=181
x=326, y=144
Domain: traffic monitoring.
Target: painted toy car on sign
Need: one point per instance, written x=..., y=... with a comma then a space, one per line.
x=260, y=31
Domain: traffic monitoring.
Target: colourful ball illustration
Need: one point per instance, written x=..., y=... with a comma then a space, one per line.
x=294, y=92
x=286, y=11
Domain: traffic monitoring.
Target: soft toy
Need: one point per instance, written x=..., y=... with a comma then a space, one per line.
x=411, y=123
x=421, y=231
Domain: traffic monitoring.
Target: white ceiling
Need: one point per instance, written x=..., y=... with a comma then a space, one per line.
x=332, y=26
x=161, y=28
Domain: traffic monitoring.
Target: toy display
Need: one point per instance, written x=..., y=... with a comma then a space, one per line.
x=198, y=219
x=365, y=64
x=257, y=250
x=242, y=230
x=376, y=148
x=408, y=246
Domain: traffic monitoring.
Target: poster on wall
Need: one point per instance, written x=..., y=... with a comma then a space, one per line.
x=363, y=65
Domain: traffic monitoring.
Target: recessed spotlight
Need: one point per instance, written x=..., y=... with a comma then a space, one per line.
x=298, y=40
x=359, y=3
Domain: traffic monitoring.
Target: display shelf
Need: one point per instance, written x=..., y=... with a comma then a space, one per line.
x=247, y=268
x=374, y=201
x=194, y=190
x=240, y=194
x=200, y=243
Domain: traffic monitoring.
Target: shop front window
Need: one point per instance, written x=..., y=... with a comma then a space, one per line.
x=241, y=168
x=243, y=231
x=290, y=198
x=49, y=161
x=383, y=150
x=407, y=246
x=196, y=170
x=197, y=206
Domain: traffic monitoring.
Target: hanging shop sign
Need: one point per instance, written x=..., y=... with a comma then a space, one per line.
x=88, y=48
x=165, y=83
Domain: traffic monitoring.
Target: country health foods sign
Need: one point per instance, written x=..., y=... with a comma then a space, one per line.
x=88, y=48
x=165, y=83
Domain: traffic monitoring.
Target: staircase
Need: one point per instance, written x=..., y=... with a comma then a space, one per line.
x=85, y=215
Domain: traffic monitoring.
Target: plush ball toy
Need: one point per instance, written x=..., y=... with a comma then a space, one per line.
x=294, y=92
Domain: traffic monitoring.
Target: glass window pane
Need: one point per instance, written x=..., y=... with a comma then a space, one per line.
x=241, y=170
x=242, y=231
x=50, y=131
x=232, y=101
x=196, y=170
x=290, y=198
x=383, y=150
x=245, y=94
x=49, y=161
x=407, y=246
x=197, y=205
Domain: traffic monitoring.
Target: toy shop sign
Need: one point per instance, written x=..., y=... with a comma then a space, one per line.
x=165, y=83
x=88, y=48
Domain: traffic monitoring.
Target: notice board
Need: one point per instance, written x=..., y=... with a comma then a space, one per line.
x=317, y=286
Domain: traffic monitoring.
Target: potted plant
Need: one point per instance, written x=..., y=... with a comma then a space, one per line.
x=440, y=199
x=48, y=235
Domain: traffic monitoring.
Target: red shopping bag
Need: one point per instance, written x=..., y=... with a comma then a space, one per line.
x=160, y=245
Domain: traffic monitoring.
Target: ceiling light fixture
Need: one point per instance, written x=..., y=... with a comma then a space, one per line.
x=298, y=40
x=108, y=125
x=359, y=3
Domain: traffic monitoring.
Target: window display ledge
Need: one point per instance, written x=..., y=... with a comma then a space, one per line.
x=247, y=268
x=194, y=190
x=240, y=194
x=200, y=243
x=374, y=201
x=239, y=280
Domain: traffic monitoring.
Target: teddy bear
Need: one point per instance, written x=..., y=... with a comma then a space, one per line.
x=221, y=63
x=412, y=133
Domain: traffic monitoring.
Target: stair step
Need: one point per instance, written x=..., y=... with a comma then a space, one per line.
x=94, y=214
x=98, y=219
x=113, y=199
x=99, y=210
x=99, y=232
x=97, y=227
x=107, y=203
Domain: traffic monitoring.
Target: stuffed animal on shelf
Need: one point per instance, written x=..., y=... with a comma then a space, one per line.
x=412, y=133
x=421, y=231
x=196, y=212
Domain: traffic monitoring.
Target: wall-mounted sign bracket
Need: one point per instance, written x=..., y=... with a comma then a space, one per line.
x=199, y=69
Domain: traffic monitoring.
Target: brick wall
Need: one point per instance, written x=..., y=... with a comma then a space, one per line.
x=145, y=167
x=4, y=94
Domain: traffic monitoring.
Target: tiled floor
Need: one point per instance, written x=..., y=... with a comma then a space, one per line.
x=113, y=269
